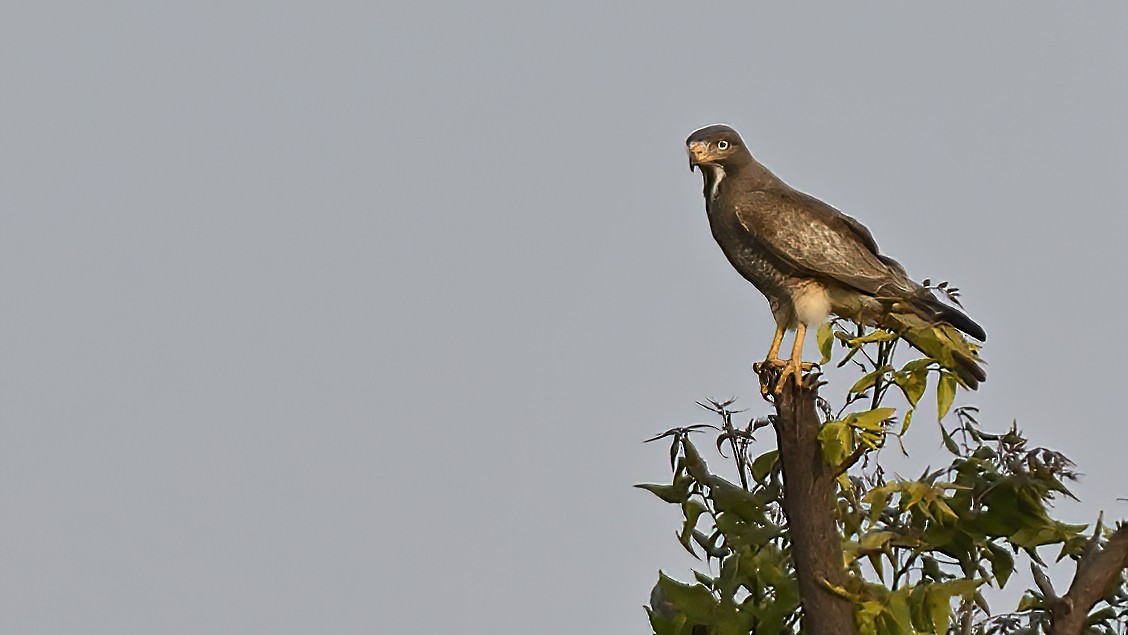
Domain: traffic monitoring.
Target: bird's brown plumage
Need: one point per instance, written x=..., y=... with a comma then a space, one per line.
x=809, y=259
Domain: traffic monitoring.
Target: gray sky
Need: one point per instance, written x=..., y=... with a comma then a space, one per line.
x=349, y=319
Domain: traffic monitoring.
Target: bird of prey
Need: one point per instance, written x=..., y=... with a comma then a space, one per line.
x=811, y=260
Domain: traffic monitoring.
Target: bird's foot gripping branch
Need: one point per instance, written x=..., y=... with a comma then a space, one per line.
x=775, y=373
x=811, y=535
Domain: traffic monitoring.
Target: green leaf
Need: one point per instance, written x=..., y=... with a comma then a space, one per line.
x=981, y=602
x=704, y=579
x=930, y=568
x=849, y=354
x=668, y=493
x=942, y=509
x=897, y=610
x=1102, y=617
x=871, y=420
x=1045, y=532
x=939, y=609
x=727, y=581
x=875, y=540
x=938, y=599
x=662, y=625
x=728, y=497
x=868, y=380
x=912, y=384
x=945, y=394
x=877, y=335
x=918, y=607
x=913, y=492
x=917, y=364
x=709, y=544
x=877, y=498
x=1002, y=563
x=825, y=339
x=692, y=510
x=835, y=439
x=1030, y=601
x=693, y=462
x=964, y=588
x=763, y=465
x=696, y=601
x=866, y=617
x=949, y=442
x=905, y=424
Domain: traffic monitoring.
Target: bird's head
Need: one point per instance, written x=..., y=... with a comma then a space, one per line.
x=717, y=145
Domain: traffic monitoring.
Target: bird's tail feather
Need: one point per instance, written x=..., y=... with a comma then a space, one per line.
x=942, y=342
x=933, y=310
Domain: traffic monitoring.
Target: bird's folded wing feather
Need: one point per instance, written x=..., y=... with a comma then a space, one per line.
x=818, y=240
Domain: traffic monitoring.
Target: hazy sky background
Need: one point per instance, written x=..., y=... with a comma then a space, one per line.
x=351, y=317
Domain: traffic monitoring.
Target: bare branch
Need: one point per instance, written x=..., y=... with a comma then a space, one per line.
x=1096, y=571
x=808, y=502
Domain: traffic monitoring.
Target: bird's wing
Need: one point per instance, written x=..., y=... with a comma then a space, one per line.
x=820, y=241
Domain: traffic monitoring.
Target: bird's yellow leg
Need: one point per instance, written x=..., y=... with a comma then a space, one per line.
x=794, y=366
x=773, y=359
x=773, y=362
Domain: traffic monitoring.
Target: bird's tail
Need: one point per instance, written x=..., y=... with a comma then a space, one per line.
x=933, y=310
x=941, y=341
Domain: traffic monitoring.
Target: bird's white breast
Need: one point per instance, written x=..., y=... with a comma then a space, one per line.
x=811, y=302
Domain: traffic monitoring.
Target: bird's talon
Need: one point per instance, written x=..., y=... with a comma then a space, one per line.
x=767, y=371
x=769, y=364
x=773, y=374
x=792, y=369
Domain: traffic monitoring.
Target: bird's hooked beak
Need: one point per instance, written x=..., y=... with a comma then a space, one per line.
x=698, y=153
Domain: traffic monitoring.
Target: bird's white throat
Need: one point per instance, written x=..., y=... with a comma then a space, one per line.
x=714, y=178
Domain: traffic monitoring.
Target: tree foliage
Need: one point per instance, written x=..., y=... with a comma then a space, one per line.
x=919, y=553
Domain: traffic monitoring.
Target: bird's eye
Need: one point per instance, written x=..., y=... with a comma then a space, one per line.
x=722, y=145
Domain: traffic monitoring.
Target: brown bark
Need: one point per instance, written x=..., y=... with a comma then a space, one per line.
x=809, y=502
x=1095, y=572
